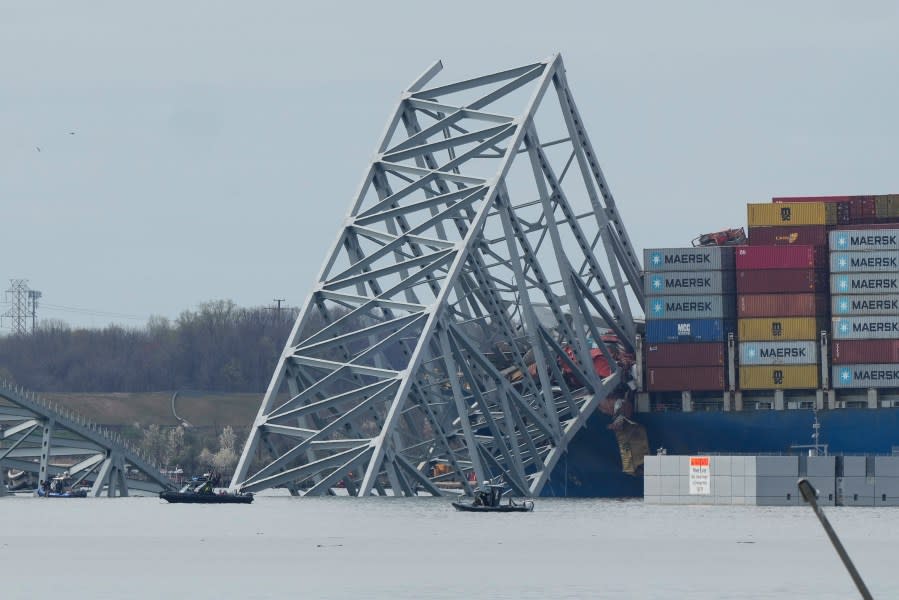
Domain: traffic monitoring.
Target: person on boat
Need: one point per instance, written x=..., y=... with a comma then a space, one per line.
x=484, y=495
x=206, y=488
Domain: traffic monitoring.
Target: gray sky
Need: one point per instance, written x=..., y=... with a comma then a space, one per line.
x=217, y=145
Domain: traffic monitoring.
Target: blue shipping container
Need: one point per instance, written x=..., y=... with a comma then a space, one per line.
x=660, y=331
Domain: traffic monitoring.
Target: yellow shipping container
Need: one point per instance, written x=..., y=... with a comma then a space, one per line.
x=775, y=329
x=792, y=213
x=779, y=377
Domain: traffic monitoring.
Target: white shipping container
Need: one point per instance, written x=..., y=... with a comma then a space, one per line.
x=865, y=304
x=691, y=307
x=866, y=328
x=865, y=283
x=779, y=353
x=710, y=258
x=690, y=282
x=864, y=239
x=864, y=262
x=865, y=376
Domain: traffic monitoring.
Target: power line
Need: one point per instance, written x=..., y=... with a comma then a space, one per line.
x=92, y=312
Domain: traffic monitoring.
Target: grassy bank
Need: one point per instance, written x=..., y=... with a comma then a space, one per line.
x=200, y=409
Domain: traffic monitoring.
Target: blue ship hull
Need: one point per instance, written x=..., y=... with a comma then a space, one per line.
x=592, y=466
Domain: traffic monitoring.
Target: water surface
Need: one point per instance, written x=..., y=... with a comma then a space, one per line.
x=281, y=547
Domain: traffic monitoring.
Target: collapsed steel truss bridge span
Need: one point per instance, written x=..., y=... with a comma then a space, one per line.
x=451, y=333
x=40, y=440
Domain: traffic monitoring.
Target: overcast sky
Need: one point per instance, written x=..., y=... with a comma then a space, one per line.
x=157, y=155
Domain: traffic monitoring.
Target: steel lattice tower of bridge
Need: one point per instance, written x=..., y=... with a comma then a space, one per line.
x=481, y=256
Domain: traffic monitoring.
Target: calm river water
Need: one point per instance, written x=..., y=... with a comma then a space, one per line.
x=281, y=547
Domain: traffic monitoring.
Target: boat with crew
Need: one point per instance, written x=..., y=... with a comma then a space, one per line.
x=488, y=498
x=61, y=486
x=202, y=490
x=512, y=506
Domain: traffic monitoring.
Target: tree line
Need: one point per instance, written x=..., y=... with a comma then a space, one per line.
x=219, y=347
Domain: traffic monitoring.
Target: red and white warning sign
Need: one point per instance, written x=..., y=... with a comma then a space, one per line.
x=700, y=476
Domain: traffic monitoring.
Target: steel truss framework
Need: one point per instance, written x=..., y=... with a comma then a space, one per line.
x=44, y=440
x=475, y=248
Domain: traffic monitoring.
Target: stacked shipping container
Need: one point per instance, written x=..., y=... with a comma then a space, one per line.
x=781, y=281
x=690, y=312
x=782, y=303
x=865, y=304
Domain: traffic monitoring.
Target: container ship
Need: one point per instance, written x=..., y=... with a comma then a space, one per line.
x=782, y=341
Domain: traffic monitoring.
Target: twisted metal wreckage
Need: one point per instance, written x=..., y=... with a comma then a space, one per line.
x=474, y=311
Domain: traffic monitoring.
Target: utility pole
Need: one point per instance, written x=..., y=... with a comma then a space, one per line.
x=279, y=301
x=17, y=295
x=33, y=296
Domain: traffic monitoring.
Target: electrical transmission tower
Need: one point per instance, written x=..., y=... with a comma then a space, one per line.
x=33, y=296
x=17, y=297
x=448, y=336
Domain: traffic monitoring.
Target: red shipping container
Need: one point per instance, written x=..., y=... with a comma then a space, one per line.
x=751, y=306
x=848, y=352
x=676, y=379
x=862, y=207
x=781, y=257
x=781, y=199
x=781, y=281
x=686, y=355
x=799, y=235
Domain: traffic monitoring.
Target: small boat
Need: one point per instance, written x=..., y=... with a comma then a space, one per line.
x=201, y=490
x=488, y=498
x=525, y=506
x=61, y=486
x=191, y=497
x=76, y=493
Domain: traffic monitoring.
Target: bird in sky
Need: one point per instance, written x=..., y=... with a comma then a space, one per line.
x=38, y=148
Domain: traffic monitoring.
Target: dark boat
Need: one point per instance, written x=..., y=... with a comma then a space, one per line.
x=201, y=490
x=190, y=497
x=526, y=506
